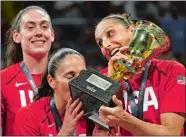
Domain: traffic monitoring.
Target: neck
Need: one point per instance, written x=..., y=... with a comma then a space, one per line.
x=60, y=104
x=35, y=65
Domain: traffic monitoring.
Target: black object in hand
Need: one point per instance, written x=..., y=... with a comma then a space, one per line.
x=94, y=90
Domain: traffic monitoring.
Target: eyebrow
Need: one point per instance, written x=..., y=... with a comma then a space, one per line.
x=69, y=72
x=97, y=38
x=32, y=22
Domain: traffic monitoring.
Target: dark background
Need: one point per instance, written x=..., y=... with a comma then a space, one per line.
x=74, y=23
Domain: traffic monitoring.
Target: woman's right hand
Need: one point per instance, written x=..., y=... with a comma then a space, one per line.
x=115, y=131
x=99, y=131
x=115, y=70
x=71, y=118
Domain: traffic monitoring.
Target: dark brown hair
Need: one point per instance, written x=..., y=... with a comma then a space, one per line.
x=54, y=61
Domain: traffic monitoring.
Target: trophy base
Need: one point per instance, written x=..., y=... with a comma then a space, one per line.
x=94, y=116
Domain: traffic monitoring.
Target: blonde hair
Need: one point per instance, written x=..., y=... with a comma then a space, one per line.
x=123, y=18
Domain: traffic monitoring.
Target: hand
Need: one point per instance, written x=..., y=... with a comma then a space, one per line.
x=99, y=131
x=137, y=64
x=112, y=116
x=116, y=70
x=115, y=131
x=72, y=116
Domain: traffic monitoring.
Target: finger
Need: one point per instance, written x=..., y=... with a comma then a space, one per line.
x=96, y=126
x=118, y=131
x=113, y=131
x=125, y=57
x=119, y=57
x=117, y=101
x=124, y=49
x=96, y=129
x=103, y=119
x=105, y=110
x=69, y=103
x=73, y=105
x=94, y=132
x=79, y=116
x=111, y=62
x=102, y=116
x=110, y=118
x=76, y=110
x=100, y=132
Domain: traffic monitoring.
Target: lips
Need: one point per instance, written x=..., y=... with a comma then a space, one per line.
x=38, y=41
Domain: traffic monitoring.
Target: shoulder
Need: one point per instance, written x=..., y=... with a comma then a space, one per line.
x=36, y=109
x=12, y=68
x=29, y=119
x=11, y=72
x=167, y=66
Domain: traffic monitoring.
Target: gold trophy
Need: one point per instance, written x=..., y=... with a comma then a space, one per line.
x=149, y=40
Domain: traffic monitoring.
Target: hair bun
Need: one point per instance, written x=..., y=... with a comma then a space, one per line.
x=128, y=18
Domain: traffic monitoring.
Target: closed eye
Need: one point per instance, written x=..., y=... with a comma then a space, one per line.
x=29, y=27
x=70, y=75
x=45, y=26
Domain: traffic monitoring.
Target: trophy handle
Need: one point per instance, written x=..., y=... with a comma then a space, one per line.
x=149, y=41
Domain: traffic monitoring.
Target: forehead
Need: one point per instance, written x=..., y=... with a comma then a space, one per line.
x=34, y=15
x=71, y=62
x=107, y=23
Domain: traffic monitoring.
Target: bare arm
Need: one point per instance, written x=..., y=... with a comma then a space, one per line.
x=171, y=123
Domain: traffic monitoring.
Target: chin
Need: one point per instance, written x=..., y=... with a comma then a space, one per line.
x=40, y=54
x=42, y=51
x=107, y=56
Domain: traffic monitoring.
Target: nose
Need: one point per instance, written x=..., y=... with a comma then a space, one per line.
x=38, y=32
x=106, y=43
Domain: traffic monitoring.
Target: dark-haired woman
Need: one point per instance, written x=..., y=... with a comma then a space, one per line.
x=53, y=112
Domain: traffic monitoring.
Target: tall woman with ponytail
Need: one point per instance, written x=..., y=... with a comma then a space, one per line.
x=28, y=44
